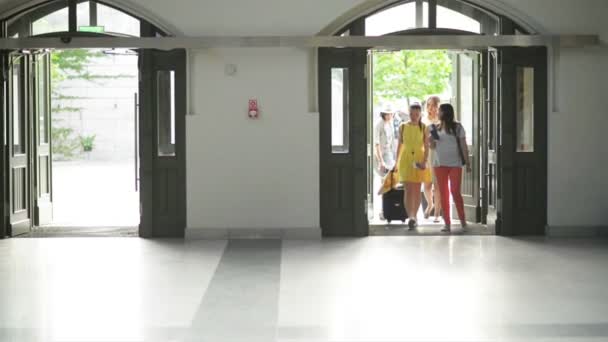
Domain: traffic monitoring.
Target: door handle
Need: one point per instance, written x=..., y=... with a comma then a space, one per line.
x=136, y=144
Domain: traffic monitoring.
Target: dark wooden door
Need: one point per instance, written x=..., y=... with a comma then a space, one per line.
x=343, y=142
x=162, y=133
x=523, y=141
x=19, y=138
x=41, y=120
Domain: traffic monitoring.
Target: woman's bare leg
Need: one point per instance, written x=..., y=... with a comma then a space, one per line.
x=417, y=200
x=437, y=195
x=428, y=194
x=413, y=199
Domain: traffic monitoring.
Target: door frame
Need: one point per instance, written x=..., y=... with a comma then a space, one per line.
x=147, y=143
x=493, y=106
x=148, y=28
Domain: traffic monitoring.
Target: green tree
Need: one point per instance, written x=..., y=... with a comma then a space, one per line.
x=413, y=74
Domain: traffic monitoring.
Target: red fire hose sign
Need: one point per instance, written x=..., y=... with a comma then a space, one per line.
x=254, y=111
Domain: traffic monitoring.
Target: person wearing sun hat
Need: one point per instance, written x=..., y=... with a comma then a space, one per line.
x=385, y=143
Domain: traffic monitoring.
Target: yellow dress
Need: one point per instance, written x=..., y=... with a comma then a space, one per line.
x=413, y=151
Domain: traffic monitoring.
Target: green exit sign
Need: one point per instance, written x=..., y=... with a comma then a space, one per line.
x=94, y=29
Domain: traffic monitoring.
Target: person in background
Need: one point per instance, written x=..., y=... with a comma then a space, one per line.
x=431, y=190
x=399, y=118
x=384, y=144
x=396, y=124
x=413, y=167
x=450, y=145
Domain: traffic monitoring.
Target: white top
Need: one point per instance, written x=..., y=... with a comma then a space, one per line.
x=446, y=151
x=385, y=136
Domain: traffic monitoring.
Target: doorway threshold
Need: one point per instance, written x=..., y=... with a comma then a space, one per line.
x=62, y=232
x=428, y=230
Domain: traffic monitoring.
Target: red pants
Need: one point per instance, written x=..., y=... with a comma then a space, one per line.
x=453, y=175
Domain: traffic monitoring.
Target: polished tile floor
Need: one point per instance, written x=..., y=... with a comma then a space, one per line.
x=458, y=288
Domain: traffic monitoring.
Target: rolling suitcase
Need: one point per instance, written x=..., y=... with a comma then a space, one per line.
x=393, y=207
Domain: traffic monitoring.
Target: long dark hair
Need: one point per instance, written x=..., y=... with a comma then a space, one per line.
x=447, y=117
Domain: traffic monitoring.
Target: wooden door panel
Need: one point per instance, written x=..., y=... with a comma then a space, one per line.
x=162, y=143
x=343, y=167
x=524, y=165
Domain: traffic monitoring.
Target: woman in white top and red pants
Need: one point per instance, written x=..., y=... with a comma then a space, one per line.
x=450, y=145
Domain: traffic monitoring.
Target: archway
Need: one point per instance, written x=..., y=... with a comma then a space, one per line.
x=507, y=188
x=159, y=129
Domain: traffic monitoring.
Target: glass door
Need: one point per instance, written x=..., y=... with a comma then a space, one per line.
x=19, y=177
x=41, y=91
x=468, y=108
x=489, y=140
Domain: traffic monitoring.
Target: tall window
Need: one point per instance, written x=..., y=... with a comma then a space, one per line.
x=439, y=14
x=450, y=19
x=56, y=21
x=461, y=16
x=403, y=17
x=91, y=16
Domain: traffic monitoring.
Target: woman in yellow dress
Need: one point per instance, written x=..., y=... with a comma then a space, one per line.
x=413, y=166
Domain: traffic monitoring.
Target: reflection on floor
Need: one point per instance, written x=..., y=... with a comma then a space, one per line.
x=451, y=288
x=56, y=232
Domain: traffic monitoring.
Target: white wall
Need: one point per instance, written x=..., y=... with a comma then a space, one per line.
x=245, y=173
x=577, y=156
